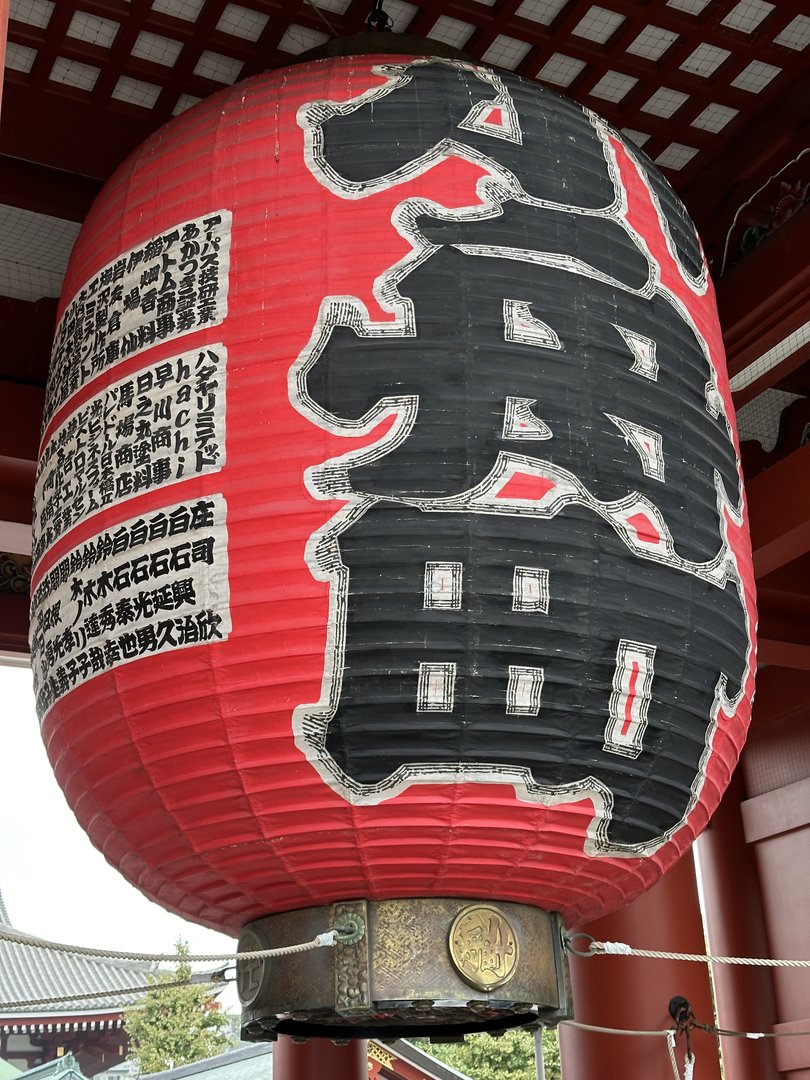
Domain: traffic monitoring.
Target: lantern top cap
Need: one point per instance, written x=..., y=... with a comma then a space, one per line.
x=382, y=43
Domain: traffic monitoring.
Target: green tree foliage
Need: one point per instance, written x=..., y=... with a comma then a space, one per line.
x=551, y=1055
x=508, y=1057
x=176, y=1025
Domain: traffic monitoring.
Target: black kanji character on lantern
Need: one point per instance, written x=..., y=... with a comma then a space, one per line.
x=436, y=103
x=544, y=647
x=598, y=403
x=550, y=146
x=476, y=634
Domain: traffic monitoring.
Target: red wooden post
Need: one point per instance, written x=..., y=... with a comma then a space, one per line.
x=627, y=992
x=735, y=927
x=320, y=1059
x=776, y=774
x=3, y=38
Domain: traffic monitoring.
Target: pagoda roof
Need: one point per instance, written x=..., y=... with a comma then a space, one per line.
x=420, y=1059
x=241, y=1063
x=29, y=974
x=256, y=1063
x=65, y=1067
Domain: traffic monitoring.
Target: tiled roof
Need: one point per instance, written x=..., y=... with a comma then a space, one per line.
x=28, y=973
x=424, y=1061
x=65, y=1067
x=256, y=1063
x=242, y=1063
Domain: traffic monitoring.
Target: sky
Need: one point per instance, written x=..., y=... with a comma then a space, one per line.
x=55, y=884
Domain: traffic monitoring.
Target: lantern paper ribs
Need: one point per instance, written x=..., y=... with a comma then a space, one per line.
x=390, y=538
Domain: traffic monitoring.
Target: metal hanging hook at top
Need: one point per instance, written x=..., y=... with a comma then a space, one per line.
x=378, y=21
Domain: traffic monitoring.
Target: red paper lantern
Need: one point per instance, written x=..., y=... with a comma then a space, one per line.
x=390, y=538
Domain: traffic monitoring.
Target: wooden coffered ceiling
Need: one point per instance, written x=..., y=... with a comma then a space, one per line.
x=715, y=91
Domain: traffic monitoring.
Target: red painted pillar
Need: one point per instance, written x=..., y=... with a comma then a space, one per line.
x=3, y=38
x=735, y=927
x=628, y=992
x=776, y=823
x=320, y=1059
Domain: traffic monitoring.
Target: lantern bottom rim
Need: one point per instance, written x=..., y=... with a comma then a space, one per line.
x=427, y=966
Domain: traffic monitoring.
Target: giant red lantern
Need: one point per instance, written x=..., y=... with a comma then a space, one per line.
x=390, y=536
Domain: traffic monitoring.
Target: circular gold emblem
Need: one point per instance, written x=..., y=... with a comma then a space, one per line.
x=483, y=946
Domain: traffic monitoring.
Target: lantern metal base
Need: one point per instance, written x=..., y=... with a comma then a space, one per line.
x=437, y=967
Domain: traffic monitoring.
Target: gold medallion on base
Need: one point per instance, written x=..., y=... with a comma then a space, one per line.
x=483, y=946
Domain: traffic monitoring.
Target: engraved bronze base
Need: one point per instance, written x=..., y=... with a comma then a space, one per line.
x=433, y=967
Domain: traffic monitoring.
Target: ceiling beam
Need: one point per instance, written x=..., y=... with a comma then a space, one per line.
x=784, y=654
x=45, y=190
x=83, y=137
x=22, y=420
x=774, y=375
x=784, y=627
x=766, y=295
x=775, y=136
x=26, y=333
x=780, y=694
x=13, y=624
x=780, y=512
x=16, y=489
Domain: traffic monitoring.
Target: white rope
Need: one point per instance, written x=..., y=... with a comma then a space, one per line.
x=326, y=939
x=667, y=1033
x=613, y=948
x=689, y=1060
x=619, y=948
x=614, y=1031
x=673, y=1060
x=718, y=1033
